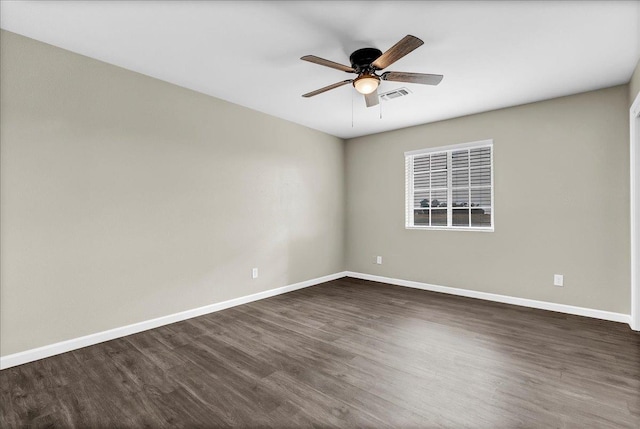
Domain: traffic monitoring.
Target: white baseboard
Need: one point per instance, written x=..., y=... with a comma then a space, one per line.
x=99, y=337
x=543, y=305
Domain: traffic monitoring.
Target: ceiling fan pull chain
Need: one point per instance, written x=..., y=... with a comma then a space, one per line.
x=351, y=109
x=380, y=104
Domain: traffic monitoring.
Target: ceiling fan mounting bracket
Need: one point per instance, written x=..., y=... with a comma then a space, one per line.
x=362, y=58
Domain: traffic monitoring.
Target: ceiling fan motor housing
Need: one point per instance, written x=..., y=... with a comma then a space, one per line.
x=362, y=58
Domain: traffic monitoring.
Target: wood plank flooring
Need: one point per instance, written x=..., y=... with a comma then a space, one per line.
x=347, y=353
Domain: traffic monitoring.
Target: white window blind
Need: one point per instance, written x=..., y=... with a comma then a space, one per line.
x=450, y=187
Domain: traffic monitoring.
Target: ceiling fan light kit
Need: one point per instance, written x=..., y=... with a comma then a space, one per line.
x=366, y=62
x=366, y=84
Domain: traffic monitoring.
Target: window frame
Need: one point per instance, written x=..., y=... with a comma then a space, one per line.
x=409, y=188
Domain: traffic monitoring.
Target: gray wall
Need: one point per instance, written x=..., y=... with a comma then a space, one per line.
x=124, y=198
x=561, y=204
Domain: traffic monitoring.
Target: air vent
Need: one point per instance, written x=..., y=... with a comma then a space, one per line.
x=396, y=93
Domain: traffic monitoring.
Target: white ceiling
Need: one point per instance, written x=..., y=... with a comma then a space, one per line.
x=492, y=54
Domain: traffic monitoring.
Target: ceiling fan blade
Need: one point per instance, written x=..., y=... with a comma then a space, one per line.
x=372, y=99
x=422, y=78
x=397, y=51
x=327, y=88
x=327, y=63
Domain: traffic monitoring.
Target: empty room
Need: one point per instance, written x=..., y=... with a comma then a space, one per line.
x=320, y=214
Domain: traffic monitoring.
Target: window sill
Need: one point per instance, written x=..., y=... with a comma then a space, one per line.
x=450, y=228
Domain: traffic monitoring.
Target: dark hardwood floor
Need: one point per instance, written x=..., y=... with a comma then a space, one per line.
x=347, y=353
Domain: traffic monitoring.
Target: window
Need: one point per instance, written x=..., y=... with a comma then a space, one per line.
x=450, y=187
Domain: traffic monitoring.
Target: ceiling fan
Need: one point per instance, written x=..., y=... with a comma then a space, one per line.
x=366, y=62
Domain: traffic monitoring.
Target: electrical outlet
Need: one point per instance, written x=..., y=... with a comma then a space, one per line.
x=254, y=273
x=379, y=260
x=558, y=280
